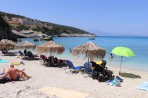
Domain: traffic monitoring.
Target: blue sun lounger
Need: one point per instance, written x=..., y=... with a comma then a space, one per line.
x=72, y=67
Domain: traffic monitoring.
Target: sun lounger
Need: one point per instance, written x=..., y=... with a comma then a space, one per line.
x=43, y=60
x=31, y=56
x=5, y=52
x=21, y=53
x=73, y=69
x=87, y=70
x=9, y=53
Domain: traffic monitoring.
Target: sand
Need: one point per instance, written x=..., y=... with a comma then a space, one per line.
x=64, y=93
x=49, y=82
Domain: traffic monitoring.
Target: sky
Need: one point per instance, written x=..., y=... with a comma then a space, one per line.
x=102, y=17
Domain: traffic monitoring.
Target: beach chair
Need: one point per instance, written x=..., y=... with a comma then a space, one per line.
x=43, y=59
x=62, y=63
x=48, y=61
x=87, y=70
x=20, y=53
x=72, y=68
x=55, y=62
x=6, y=53
x=31, y=56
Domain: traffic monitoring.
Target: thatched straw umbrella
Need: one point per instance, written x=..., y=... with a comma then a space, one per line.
x=25, y=44
x=51, y=47
x=90, y=50
x=5, y=43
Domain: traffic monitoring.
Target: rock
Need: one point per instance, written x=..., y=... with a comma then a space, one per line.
x=6, y=31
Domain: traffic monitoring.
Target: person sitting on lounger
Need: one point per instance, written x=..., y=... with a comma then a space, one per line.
x=15, y=74
x=25, y=52
x=30, y=54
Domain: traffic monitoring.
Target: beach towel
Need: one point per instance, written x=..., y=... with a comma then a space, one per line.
x=4, y=80
x=18, y=63
x=143, y=86
x=3, y=61
x=116, y=81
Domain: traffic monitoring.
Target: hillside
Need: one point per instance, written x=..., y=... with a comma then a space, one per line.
x=21, y=25
x=5, y=31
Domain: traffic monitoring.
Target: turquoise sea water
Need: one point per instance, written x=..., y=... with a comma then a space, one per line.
x=138, y=44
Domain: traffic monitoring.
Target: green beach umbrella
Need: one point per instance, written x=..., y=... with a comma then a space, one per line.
x=123, y=52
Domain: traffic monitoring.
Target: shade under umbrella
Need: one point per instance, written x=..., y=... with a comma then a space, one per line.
x=123, y=52
x=90, y=50
x=5, y=43
x=25, y=44
x=51, y=47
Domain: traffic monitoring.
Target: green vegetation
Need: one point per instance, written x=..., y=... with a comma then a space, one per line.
x=21, y=27
x=48, y=28
x=11, y=15
x=129, y=75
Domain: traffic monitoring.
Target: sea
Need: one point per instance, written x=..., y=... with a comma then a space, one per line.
x=139, y=45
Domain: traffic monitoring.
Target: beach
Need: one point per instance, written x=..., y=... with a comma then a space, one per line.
x=73, y=49
x=52, y=82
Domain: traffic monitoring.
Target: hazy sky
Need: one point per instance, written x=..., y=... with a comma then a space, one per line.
x=117, y=17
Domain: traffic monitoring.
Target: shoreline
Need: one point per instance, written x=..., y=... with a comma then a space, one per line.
x=139, y=62
x=109, y=63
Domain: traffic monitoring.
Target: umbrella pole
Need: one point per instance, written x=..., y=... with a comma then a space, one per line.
x=120, y=64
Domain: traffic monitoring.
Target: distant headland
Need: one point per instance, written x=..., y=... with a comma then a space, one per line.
x=26, y=27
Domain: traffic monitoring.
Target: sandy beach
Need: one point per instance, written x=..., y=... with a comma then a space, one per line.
x=49, y=82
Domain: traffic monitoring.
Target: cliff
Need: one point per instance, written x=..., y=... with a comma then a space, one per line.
x=6, y=31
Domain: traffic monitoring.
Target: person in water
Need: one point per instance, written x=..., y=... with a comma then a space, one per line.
x=111, y=55
x=70, y=50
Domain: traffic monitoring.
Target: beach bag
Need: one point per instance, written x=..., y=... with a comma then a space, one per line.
x=116, y=82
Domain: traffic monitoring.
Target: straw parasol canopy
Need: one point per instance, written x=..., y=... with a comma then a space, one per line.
x=51, y=47
x=5, y=43
x=90, y=50
x=25, y=44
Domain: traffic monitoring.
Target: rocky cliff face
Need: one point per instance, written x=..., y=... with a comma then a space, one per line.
x=6, y=31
